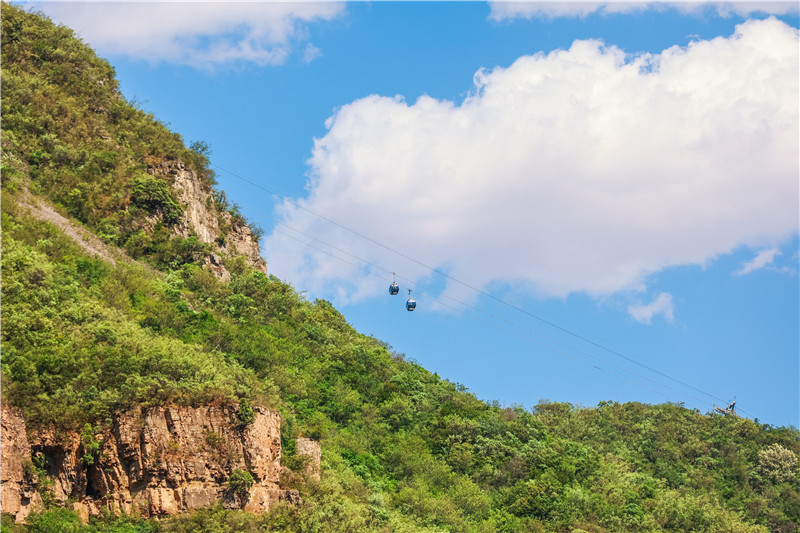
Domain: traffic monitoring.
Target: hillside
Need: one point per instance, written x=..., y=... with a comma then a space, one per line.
x=181, y=315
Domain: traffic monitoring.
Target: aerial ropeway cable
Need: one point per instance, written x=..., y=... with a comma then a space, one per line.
x=366, y=264
x=411, y=303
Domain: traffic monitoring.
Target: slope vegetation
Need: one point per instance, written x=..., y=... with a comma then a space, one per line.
x=403, y=449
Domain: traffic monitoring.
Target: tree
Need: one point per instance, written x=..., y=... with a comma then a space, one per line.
x=777, y=463
x=246, y=415
x=240, y=483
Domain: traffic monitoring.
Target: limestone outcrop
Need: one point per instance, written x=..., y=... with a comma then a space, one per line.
x=202, y=219
x=149, y=462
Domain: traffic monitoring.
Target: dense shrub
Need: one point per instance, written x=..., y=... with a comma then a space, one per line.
x=155, y=196
x=240, y=482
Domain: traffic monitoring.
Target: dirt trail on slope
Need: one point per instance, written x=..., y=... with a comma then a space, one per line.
x=42, y=210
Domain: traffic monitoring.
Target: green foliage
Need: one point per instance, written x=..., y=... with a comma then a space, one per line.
x=215, y=440
x=36, y=472
x=201, y=148
x=213, y=520
x=8, y=524
x=240, y=482
x=56, y=521
x=68, y=134
x=777, y=463
x=155, y=196
x=91, y=446
x=403, y=449
x=256, y=231
x=245, y=416
x=81, y=341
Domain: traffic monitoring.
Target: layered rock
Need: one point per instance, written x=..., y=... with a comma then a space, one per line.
x=150, y=462
x=202, y=218
x=18, y=494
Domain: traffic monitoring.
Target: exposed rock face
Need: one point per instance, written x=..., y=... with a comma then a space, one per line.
x=312, y=449
x=18, y=495
x=214, y=264
x=201, y=218
x=151, y=462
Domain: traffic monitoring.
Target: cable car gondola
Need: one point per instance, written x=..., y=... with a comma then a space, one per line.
x=411, y=303
x=394, y=288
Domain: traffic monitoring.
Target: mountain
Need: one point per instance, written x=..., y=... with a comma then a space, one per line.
x=143, y=340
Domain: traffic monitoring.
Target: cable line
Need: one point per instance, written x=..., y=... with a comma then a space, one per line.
x=471, y=287
x=528, y=339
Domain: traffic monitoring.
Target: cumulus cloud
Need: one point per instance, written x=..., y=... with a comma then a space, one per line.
x=579, y=170
x=661, y=305
x=505, y=11
x=200, y=34
x=762, y=259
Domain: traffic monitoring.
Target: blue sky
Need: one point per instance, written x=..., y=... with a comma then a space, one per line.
x=591, y=201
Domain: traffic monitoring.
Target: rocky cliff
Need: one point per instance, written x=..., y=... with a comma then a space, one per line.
x=150, y=462
x=18, y=494
x=203, y=218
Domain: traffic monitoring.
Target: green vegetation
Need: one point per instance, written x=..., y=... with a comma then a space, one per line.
x=240, y=483
x=246, y=415
x=91, y=446
x=69, y=135
x=155, y=196
x=403, y=449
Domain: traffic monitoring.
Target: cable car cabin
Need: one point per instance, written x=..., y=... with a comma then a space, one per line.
x=411, y=303
x=394, y=288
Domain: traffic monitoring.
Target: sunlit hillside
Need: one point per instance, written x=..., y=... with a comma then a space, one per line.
x=87, y=334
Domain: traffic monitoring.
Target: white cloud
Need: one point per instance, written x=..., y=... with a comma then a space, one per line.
x=661, y=305
x=577, y=170
x=762, y=259
x=504, y=11
x=311, y=53
x=200, y=34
